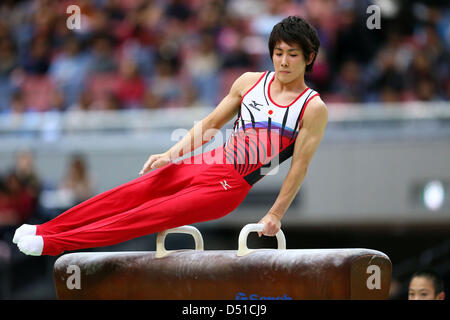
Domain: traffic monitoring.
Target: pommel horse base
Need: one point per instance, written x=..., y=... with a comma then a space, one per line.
x=306, y=274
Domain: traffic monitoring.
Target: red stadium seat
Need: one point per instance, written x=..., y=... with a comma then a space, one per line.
x=99, y=84
x=38, y=91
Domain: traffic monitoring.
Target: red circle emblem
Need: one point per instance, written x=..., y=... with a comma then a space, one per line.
x=270, y=112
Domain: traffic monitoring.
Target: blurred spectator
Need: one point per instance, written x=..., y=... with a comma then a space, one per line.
x=320, y=76
x=94, y=21
x=428, y=39
x=56, y=101
x=6, y=93
x=210, y=16
x=26, y=172
x=203, y=67
x=69, y=69
x=20, y=117
x=18, y=104
x=271, y=13
x=190, y=97
x=84, y=102
x=37, y=59
x=102, y=59
x=389, y=95
x=8, y=57
x=116, y=9
x=425, y=89
x=152, y=100
x=77, y=180
x=110, y=102
x=78, y=116
x=420, y=67
x=164, y=85
x=23, y=188
x=130, y=85
x=23, y=200
x=385, y=77
x=394, y=289
x=237, y=57
x=177, y=9
x=353, y=40
x=426, y=285
x=349, y=85
x=141, y=54
x=7, y=214
x=18, y=203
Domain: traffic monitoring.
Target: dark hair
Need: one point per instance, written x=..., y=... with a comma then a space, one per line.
x=295, y=30
x=438, y=283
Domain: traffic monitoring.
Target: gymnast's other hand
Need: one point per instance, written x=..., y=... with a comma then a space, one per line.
x=272, y=224
x=155, y=161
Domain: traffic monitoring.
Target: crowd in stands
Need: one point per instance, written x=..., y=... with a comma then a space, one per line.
x=183, y=53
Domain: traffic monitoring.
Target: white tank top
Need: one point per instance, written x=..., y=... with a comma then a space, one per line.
x=264, y=132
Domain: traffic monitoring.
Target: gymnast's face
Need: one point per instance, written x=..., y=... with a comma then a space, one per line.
x=422, y=288
x=288, y=61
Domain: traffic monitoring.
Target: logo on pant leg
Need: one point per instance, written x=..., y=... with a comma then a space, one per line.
x=225, y=185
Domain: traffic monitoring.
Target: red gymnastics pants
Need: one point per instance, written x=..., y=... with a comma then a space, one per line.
x=174, y=195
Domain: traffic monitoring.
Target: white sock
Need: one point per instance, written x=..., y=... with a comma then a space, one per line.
x=31, y=245
x=24, y=230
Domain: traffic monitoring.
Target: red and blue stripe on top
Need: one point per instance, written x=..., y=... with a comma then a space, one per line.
x=264, y=132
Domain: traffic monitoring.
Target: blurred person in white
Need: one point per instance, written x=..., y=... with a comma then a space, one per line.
x=69, y=69
x=426, y=285
x=77, y=180
x=272, y=11
x=75, y=186
x=203, y=67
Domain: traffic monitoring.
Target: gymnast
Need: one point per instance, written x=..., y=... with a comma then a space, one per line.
x=277, y=117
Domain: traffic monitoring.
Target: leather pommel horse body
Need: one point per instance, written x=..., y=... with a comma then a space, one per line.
x=306, y=274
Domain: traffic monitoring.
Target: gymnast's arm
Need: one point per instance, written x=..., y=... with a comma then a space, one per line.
x=312, y=130
x=204, y=130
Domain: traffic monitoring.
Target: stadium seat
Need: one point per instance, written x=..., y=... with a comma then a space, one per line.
x=37, y=90
x=99, y=84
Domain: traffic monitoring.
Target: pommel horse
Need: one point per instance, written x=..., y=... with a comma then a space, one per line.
x=298, y=274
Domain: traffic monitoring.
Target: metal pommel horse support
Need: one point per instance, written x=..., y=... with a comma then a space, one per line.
x=306, y=274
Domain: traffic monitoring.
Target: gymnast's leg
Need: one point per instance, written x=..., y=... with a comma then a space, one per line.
x=197, y=203
x=161, y=182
